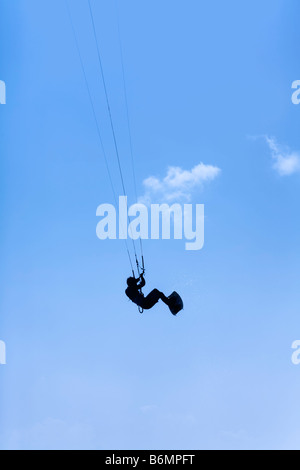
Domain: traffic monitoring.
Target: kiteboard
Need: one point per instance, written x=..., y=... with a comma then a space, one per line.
x=176, y=303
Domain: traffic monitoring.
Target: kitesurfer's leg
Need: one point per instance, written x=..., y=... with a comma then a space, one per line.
x=164, y=299
x=153, y=298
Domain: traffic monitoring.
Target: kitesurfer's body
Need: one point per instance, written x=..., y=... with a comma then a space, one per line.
x=134, y=292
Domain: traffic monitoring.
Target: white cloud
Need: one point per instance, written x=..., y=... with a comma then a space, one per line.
x=178, y=184
x=286, y=162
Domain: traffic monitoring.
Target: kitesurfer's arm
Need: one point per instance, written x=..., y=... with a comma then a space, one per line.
x=142, y=282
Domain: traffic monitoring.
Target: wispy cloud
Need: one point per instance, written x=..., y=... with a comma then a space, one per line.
x=148, y=408
x=178, y=184
x=286, y=161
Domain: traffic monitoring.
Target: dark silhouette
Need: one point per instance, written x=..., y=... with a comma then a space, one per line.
x=134, y=292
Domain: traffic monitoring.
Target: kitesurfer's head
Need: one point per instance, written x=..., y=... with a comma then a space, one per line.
x=131, y=282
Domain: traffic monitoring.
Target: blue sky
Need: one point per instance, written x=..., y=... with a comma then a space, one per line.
x=206, y=83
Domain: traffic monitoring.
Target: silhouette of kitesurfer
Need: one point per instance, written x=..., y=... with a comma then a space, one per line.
x=134, y=292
